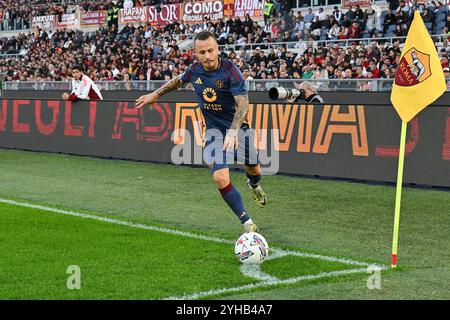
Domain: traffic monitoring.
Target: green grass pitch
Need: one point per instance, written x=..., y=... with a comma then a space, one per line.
x=351, y=221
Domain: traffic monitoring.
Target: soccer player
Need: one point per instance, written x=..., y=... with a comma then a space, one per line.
x=223, y=100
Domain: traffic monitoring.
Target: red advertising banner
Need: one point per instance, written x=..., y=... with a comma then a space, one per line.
x=195, y=12
x=93, y=18
x=361, y=3
x=254, y=8
x=68, y=20
x=131, y=15
x=169, y=13
x=44, y=22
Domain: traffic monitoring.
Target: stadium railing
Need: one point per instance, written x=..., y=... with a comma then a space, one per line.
x=363, y=84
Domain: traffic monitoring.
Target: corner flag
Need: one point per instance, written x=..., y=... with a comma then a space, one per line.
x=419, y=81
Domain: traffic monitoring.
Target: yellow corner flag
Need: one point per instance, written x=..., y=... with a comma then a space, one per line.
x=419, y=79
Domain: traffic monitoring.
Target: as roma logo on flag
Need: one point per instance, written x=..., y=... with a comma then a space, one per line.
x=414, y=68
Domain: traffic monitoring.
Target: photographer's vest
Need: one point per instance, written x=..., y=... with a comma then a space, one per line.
x=115, y=15
x=267, y=8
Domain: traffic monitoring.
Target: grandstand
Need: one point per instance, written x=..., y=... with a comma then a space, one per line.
x=296, y=42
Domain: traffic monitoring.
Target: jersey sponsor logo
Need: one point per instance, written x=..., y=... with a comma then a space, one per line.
x=209, y=94
x=198, y=81
x=414, y=68
x=219, y=84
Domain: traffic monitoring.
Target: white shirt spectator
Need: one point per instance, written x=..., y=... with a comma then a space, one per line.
x=337, y=15
x=333, y=33
x=85, y=89
x=198, y=28
x=299, y=26
x=115, y=72
x=321, y=15
x=223, y=36
x=148, y=34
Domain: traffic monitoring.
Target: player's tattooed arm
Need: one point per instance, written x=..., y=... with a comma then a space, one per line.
x=172, y=84
x=231, y=141
x=241, y=111
x=151, y=98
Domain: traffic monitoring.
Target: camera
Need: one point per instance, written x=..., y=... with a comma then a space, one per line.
x=282, y=93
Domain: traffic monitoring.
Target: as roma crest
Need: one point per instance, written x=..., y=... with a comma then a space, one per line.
x=219, y=84
x=414, y=68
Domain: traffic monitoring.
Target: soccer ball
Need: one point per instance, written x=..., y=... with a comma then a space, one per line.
x=251, y=248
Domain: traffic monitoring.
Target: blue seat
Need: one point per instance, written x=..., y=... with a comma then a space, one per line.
x=365, y=35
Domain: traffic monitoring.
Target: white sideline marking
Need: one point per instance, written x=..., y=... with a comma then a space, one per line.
x=254, y=271
x=266, y=280
x=263, y=284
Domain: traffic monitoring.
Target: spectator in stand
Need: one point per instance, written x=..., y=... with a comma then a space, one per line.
x=316, y=28
x=334, y=32
x=355, y=31
x=426, y=16
x=402, y=20
x=399, y=31
x=309, y=18
x=370, y=17
x=403, y=7
x=359, y=15
x=321, y=14
x=350, y=14
x=389, y=19
x=337, y=14
x=393, y=4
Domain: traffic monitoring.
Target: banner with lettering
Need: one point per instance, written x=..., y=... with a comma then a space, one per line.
x=195, y=12
x=93, y=18
x=44, y=22
x=254, y=8
x=362, y=3
x=68, y=20
x=168, y=14
x=131, y=15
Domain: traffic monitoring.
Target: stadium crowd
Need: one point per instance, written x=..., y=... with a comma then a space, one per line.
x=153, y=53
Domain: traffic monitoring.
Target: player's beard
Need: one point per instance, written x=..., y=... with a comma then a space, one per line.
x=211, y=65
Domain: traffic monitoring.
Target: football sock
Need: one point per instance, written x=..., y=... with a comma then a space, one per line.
x=234, y=200
x=254, y=180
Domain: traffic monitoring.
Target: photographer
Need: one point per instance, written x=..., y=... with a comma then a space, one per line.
x=304, y=91
x=309, y=93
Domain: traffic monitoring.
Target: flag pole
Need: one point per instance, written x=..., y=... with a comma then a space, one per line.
x=398, y=197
